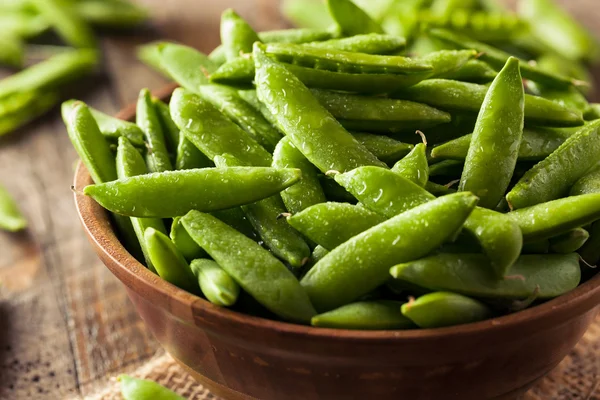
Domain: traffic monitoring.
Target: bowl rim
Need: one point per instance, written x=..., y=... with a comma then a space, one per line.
x=96, y=224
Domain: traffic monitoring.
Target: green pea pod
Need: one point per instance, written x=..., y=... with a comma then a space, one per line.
x=558, y=30
x=571, y=97
x=318, y=253
x=11, y=219
x=551, y=275
x=590, y=251
x=239, y=71
x=414, y=166
x=552, y=177
x=492, y=156
x=391, y=194
x=438, y=190
x=22, y=23
x=169, y=262
x=384, y=148
x=331, y=224
x=113, y=14
x=366, y=315
x=12, y=51
x=142, y=389
x=443, y=8
x=170, y=130
x=557, y=64
x=51, y=73
x=218, y=56
x=251, y=98
x=498, y=58
x=189, y=157
x=379, y=114
x=237, y=35
x=318, y=135
x=308, y=191
x=569, y=242
x=149, y=54
x=334, y=192
x=147, y=119
x=299, y=35
x=351, y=19
x=447, y=168
x=589, y=183
x=64, y=19
x=536, y=145
x=307, y=14
x=216, y=284
x=476, y=71
x=130, y=163
x=184, y=243
x=187, y=66
x=553, y=218
x=207, y=189
x=441, y=309
x=235, y=218
x=463, y=96
x=447, y=61
x=239, y=111
x=593, y=113
x=19, y=108
x=212, y=132
x=362, y=263
x=257, y=271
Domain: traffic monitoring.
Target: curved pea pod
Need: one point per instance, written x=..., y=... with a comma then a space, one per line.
x=216, y=284
x=187, y=66
x=351, y=19
x=589, y=183
x=308, y=191
x=207, y=189
x=21, y=22
x=414, y=166
x=142, y=389
x=11, y=218
x=366, y=315
x=146, y=118
x=466, y=274
x=552, y=177
x=239, y=111
x=536, y=145
x=371, y=43
x=212, y=132
x=239, y=71
x=64, y=19
x=492, y=156
x=149, y=54
x=169, y=262
x=298, y=35
x=476, y=71
x=590, y=251
x=257, y=271
x=318, y=135
x=441, y=309
x=331, y=224
x=184, y=243
x=20, y=108
x=571, y=97
x=384, y=148
x=189, y=157
x=362, y=263
x=446, y=168
x=498, y=58
x=553, y=218
x=379, y=114
x=237, y=35
x=170, y=130
x=463, y=96
x=114, y=14
x=307, y=14
x=447, y=61
x=569, y=242
x=558, y=30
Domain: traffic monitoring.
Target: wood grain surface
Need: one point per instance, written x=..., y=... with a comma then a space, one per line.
x=66, y=324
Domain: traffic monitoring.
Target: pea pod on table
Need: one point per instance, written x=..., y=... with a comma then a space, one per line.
x=64, y=19
x=367, y=315
x=143, y=389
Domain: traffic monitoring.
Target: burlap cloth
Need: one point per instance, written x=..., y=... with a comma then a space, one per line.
x=576, y=378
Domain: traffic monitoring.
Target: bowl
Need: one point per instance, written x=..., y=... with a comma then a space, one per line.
x=238, y=356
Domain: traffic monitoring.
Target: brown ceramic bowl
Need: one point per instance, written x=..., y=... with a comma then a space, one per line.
x=239, y=356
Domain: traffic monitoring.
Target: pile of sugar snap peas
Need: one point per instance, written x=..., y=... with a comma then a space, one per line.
x=289, y=174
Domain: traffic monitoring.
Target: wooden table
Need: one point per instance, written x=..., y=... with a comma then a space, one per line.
x=66, y=325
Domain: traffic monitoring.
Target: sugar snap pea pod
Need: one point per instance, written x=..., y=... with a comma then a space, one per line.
x=351, y=19
x=318, y=253
x=11, y=218
x=216, y=284
x=494, y=149
x=443, y=8
x=236, y=35
x=51, y=73
x=187, y=66
x=218, y=56
x=142, y=389
x=189, y=157
x=414, y=166
x=590, y=251
x=184, y=243
x=308, y=191
x=149, y=54
x=438, y=190
x=570, y=97
x=343, y=276
x=331, y=224
x=170, y=130
x=463, y=96
x=130, y=163
x=12, y=51
x=257, y=271
x=22, y=23
x=537, y=247
x=366, y=315
x=552, y=177
x=497, y=58
x=239, y=71
x=19, y=108
x=239, y=111
x=169, y=262
x=207, y=189
x=334, y=192
x=298, y=35
x=318, y=135
x=558, y=30
x=441, y=309
x=552, y=218
x=372, y=43
x=157, y=157
x=593, y=112
x=537, y=144
x=384, y=148
x=378, y=113
x=307, y=14
x=466, y=274
x=476, y=71
x=589, y=183
x=251, y=98
x=448, y=168
x=64, y=19
x=569, y=242
x=447, y=61
x=212, y=132
x=113, y=14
